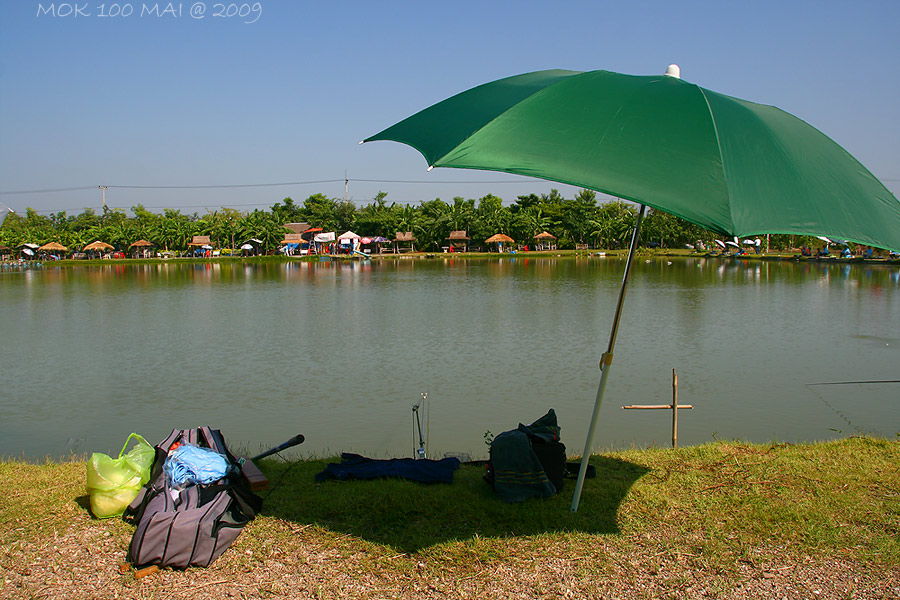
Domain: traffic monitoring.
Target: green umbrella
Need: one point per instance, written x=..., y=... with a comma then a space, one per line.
x=732, y=166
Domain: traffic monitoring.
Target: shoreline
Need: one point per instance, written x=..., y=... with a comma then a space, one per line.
x=617, y=254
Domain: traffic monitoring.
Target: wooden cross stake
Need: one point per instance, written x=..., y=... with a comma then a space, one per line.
x=673, y=407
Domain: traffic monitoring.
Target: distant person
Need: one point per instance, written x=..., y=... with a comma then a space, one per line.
x=868, y=253
x=758, y=245
x=804, y=251
x=846, y=253
x=823, y=251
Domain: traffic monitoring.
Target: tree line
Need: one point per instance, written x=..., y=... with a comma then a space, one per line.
x=579, y=220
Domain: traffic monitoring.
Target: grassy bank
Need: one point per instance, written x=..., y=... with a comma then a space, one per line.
x=723, y=520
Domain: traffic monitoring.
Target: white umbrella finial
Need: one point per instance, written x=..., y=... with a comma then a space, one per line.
x=673, y=71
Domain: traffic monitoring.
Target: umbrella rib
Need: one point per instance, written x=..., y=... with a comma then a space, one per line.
x=715, y=125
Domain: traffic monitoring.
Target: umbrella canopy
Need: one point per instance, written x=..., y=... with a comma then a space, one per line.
x=733, y=166
x=141, y=244
x=348, y=235
x=53, y=246
x=499, y=239
x=545, y=235
x=97, y=246
x=730, y=165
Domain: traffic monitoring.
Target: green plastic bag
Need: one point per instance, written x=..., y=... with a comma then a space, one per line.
x=114, y=482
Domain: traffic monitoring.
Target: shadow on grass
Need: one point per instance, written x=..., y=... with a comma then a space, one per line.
x=410, y=516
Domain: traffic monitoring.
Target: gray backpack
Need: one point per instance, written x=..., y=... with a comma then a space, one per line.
x=191, y=526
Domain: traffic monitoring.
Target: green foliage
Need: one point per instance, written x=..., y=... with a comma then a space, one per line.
x=580, y=220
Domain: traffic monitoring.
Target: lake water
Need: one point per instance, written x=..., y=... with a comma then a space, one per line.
x=340, y=351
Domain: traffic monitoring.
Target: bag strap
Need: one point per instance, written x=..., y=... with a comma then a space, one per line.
x=136, y=436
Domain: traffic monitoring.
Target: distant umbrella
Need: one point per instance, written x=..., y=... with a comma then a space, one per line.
x=720, y=243
x=499, y=238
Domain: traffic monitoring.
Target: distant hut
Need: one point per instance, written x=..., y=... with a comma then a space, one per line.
x=141, y=248
x=97, y=248
x=54, y=247
x=499, y=239
x=4, y=252
x=251, y=247
x=402, y=238
x=200, y=242
x=26, y=251
x=292, y=243
x=458, y=239
x=545, y=241
x=297, y=227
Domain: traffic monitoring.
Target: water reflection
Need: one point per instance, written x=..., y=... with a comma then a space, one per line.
x=340, y=350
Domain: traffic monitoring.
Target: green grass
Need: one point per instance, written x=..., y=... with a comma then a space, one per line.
x=660, y=516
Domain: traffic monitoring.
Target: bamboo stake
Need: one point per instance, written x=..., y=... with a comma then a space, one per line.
x=674, y=409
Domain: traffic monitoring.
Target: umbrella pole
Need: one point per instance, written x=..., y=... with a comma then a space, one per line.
x=606, y=361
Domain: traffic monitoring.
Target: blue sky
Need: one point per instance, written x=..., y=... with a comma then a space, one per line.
x=175, y=101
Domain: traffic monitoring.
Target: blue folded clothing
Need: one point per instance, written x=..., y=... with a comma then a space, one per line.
x=354, y=466
x=187, y=465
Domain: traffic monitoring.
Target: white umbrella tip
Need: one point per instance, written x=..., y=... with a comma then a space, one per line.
x=673, y=71
x=430, y=167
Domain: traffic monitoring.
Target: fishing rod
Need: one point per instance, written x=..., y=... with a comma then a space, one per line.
x=297, y=439
x=420, y=451
x=855, y=382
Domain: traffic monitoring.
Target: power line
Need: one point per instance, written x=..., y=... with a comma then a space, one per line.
x=521, y=180
x=65, y=189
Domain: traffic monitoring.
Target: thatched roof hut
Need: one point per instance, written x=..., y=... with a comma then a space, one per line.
x=545, y=241
x=499, y=239
x=200, y=240
x=53, y=246
x=296, y=227
x=97, y=246
x=458, y=239
x=405, y=237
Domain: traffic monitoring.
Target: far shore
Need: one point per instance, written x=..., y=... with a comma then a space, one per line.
x=617, y=254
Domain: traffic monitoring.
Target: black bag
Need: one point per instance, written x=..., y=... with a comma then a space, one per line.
x=191, y=526
x=529, y=461
x=552, y=455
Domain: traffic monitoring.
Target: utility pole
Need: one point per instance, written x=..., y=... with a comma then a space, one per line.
x=346, y=186
x=103, y=196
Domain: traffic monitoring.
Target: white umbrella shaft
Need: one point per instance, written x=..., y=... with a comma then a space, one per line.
x=606, y=362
